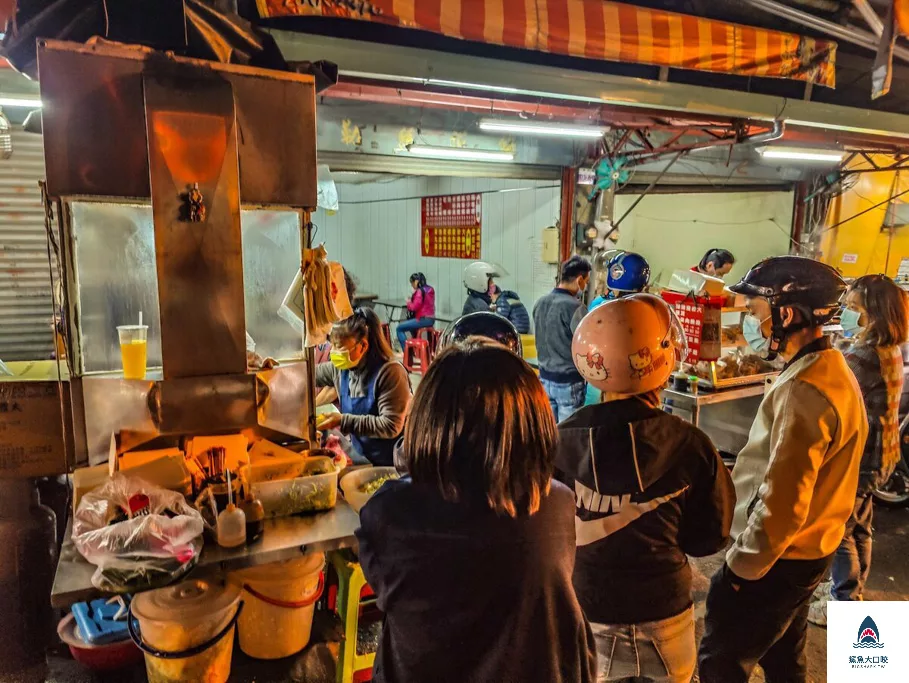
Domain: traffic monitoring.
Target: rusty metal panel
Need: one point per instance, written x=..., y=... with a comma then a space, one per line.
x=283, y=398
x=94, y=140
x=278, y=141
x=95, y=143
x=192, y=143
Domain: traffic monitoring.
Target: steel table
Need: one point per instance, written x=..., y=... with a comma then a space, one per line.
x=284, y=538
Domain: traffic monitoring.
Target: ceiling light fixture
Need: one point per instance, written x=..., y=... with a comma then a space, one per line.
x=462, y=153
x=20, y=102
x=831, y=156
x=543, y=128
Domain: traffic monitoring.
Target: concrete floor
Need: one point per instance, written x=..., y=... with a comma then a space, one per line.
x=889, y=581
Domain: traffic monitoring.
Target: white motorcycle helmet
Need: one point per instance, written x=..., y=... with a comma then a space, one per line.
x=477, y=274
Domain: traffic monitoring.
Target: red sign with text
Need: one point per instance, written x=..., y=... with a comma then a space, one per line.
x=451, y=226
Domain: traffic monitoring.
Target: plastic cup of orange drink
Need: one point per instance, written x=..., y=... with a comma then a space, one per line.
x=133, y=350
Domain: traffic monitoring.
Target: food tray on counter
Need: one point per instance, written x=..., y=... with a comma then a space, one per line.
x=746, y=380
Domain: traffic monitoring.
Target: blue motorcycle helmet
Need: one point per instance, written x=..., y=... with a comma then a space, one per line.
x=627, y=272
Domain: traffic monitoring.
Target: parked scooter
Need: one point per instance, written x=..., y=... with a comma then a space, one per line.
x=894, y=493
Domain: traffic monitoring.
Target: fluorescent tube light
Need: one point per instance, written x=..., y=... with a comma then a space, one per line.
x=565, y=130
x=462, y=153
x=20, y=102
x=831, y=156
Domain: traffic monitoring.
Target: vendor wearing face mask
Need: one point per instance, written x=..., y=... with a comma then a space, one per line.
x=715, y=263
x=373, y=389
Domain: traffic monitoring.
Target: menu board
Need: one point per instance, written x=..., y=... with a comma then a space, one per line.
x=451, y=226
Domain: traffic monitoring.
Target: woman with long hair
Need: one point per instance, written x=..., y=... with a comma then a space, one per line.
x=470, y=555
x=421, y=307
x=373, y=388
x=876, y=314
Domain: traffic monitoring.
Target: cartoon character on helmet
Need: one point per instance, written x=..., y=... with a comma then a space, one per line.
x=478, y=274
x=627, y=272
x=483, y=324
x=629, y=346
x=787, y=294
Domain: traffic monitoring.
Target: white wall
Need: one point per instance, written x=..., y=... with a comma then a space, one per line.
x=673, y=231
x=376, y=236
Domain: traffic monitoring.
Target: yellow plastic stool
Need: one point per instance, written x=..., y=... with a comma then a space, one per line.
x=350, y=584
x=529, y=346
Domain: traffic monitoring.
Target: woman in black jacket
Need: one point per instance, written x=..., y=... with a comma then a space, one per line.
x=470, y=556
x=651, y=489
x=876, y=315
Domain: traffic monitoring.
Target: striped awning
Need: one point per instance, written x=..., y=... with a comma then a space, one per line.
x=593, y=29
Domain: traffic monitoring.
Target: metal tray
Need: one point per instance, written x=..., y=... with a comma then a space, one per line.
x=735, y=381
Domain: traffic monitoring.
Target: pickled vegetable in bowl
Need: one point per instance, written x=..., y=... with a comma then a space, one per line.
x=361, y=484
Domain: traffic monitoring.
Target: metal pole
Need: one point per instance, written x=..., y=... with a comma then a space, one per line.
x=849, y=34
x=870, y=208
x=615, y=226
x=870, y=16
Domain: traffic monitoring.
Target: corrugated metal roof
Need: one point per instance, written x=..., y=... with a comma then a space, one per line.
x=26, y=307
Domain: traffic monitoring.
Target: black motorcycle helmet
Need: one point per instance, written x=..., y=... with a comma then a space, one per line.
x=811, y=287
x=483, y=324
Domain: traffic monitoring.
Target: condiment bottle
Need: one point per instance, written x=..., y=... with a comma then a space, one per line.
x=255, y=517
x=231, y=522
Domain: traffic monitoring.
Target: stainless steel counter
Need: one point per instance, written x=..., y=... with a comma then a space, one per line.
x=725, y=415
x=284, y=538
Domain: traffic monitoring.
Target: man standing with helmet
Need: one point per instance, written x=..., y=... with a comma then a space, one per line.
x=795, y=480
x=478, y=279
x=651, y=489
x=554, y=322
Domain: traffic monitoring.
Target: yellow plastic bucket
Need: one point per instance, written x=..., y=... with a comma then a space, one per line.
x=186, y=631
x=279, y=600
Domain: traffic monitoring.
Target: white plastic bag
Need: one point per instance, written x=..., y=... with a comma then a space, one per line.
x=152, y=549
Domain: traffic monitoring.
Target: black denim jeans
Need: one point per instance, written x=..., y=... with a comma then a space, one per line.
x=759, y=622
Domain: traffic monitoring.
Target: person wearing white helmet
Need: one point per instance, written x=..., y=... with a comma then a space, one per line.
x=478, y=279
x=651, y=490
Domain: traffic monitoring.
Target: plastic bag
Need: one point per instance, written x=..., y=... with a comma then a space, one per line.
x=156, y=546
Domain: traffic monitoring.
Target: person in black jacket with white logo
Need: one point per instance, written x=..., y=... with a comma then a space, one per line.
x=650, y=488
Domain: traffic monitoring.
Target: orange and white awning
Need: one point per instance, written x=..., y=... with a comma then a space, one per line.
x=593, y=29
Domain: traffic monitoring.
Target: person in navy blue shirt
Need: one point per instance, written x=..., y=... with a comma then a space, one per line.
x=471, y=554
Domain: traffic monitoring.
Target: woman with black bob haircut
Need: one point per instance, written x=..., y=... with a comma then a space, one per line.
x=471, y=554
x=373, y=388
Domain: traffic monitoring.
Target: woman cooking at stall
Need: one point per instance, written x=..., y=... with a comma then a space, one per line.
x=373, y=389
x=715, y=262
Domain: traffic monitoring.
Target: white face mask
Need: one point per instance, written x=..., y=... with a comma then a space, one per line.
x=849, y=319
x=751, y=329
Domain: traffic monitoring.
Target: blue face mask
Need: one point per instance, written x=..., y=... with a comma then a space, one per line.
x=849, y=319
x=751, y=329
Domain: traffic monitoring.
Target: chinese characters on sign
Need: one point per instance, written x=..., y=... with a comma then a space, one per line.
x=451, y=226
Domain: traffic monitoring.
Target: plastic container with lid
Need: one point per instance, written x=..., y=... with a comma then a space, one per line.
x=279, y=600
x=316, y=490
x=187, y=631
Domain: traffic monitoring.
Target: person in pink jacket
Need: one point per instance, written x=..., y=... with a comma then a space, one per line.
x=421, y=309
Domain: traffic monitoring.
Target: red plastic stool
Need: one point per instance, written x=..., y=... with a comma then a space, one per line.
x=416, y=355
x=432, y=336
x=386, y=332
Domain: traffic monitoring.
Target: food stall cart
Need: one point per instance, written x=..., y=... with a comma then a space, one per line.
x=723, y=382
x=178, y=196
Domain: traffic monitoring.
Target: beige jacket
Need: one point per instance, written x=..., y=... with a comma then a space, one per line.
x=795, y=480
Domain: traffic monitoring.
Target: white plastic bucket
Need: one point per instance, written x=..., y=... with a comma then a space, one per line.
x=279, y=600
x=187, y=631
